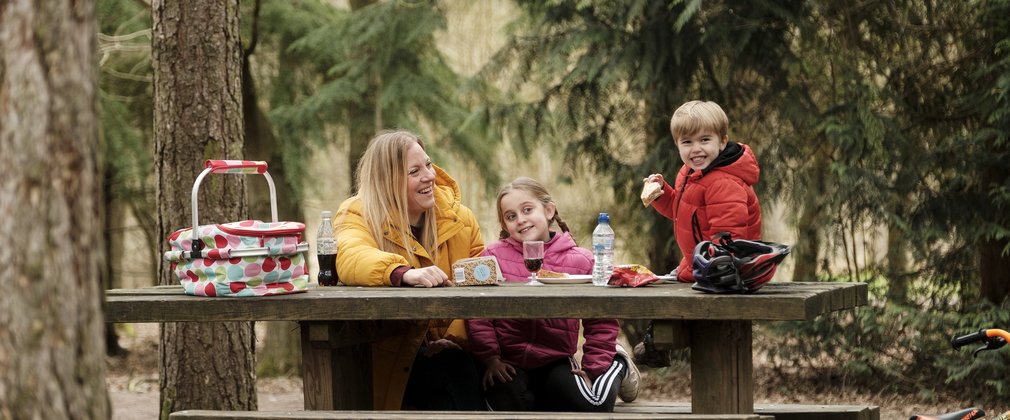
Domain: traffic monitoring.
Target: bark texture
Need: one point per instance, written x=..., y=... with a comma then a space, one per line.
x=197, y=59
x=52, y=353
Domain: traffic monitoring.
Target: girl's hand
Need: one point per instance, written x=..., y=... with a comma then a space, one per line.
x=498, y=370
x=584, y=375
x=425, y=277
x=653, y=178
x=436, y=347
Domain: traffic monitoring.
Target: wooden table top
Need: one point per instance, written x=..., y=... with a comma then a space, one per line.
x=776, y=301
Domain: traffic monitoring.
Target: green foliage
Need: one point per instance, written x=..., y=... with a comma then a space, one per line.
x=897, y=108
x=373, y=68
x=601, y=67
x=895, y=348
x=125, y=108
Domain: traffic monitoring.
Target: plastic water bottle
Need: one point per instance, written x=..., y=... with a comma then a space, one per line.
x=603, y=251
x=326, y=252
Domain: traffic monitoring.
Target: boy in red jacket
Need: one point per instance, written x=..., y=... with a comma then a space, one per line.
x=714, y=189
x=713, y=193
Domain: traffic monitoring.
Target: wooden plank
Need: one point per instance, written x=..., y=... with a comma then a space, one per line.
x=438, y=415
x=671, y=334
x=779, y=411
x=722, y=380
x=332, y=370
x=819, y=412
x=776, y=301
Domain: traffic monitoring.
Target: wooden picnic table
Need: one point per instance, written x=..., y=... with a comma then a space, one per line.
x=339, y=323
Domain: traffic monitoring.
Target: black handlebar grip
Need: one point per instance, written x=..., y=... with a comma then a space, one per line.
x=958, y=342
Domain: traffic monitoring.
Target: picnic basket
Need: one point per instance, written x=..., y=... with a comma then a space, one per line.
x=239, y=259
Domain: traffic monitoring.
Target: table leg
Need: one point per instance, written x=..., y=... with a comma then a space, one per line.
x=336, y=368
x=722, y=380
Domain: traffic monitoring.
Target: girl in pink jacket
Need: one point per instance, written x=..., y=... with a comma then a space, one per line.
x=529, y=363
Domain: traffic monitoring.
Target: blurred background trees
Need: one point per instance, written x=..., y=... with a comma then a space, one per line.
x=881, y=128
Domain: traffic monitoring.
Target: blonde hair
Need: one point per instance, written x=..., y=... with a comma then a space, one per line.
x=695, y=116
x=382, y=189
x=537, y=190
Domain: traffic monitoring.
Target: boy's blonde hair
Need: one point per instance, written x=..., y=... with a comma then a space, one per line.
x=382, y=188
x=535, y=188
x=696, y=116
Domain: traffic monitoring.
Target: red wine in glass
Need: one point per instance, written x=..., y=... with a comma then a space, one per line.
x=534, y=264
x=533, y=257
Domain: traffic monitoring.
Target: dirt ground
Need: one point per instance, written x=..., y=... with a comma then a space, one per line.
x=133, y=387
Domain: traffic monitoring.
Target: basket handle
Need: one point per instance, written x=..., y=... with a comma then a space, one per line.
x=241, y=167
x=218, y=166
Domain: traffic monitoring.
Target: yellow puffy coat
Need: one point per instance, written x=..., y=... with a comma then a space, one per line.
x=360, y=262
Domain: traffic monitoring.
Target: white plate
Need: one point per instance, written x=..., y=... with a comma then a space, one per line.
x=571, y=279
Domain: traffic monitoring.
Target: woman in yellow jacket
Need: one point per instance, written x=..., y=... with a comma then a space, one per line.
x=405, y=228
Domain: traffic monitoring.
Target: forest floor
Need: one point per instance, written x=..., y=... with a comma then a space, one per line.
x=133, y=387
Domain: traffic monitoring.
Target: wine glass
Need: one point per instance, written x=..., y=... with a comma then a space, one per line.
x=533, y=257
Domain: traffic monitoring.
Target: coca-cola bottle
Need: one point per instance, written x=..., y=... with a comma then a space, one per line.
x=326, y=252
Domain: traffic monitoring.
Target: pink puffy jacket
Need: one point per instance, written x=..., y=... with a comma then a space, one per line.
x=532, y=343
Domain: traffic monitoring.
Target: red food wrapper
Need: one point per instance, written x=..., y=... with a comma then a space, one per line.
x=632, y=275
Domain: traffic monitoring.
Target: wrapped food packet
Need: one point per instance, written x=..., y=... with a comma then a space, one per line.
x=632, y=275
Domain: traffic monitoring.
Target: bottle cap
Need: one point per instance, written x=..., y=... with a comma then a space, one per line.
x=604, y=217
x=327, y=214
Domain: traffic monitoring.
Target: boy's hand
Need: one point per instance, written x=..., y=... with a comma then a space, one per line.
x=498, y=370
x=652, y=189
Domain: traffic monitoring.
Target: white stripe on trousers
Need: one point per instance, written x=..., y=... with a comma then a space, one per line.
x=601, y=387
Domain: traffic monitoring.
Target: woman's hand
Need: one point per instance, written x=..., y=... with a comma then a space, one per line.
x=425, y=277
x=498, y=370
x=436, y=347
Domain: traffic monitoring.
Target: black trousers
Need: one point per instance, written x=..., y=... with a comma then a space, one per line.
x=446, y=381
x=554, y=387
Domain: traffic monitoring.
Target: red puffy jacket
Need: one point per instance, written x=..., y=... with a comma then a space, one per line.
x=719, y=198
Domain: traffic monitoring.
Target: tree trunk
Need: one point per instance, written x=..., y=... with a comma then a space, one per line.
x=360, y=131
x=197, y=61
x=808, y=234
x=112, y=236
x=808, y=243
x=52, y=353
x=994, y=266
x=897, y=265
x=994, y=263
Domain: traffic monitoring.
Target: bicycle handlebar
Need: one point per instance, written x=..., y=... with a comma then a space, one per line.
x=964, y=340
x=993, y=338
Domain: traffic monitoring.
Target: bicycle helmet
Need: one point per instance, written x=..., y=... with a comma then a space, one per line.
x=742, y=266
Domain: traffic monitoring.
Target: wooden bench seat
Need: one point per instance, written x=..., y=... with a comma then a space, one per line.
x=449, y=415
x=778, y=411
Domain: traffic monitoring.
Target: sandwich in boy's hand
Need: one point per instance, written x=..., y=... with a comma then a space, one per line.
x=650, y=192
